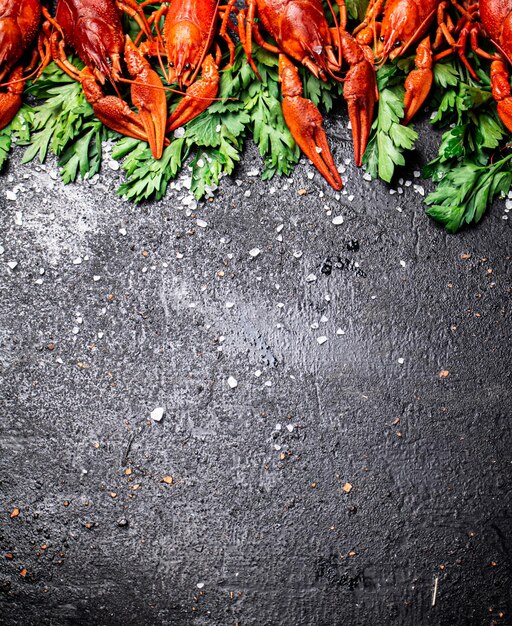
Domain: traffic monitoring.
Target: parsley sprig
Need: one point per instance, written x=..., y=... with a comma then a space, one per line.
x=389, y=139
x=468, y=174
x=64, y=123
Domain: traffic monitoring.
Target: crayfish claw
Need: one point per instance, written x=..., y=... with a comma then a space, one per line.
x=501, y=91
x=419, y=81
x=417, y=87
x=10, y=101
x=505, y=112
x=148, y=95
x=360, y=93
x=111, y=110
x=198, y=96
x=10, y=104
x=305, y=123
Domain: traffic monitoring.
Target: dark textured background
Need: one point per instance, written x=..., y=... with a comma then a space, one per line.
x=249, y=534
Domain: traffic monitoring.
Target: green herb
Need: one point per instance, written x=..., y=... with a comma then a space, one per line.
x=468, y=179
x=66, y=124
x=147, y=178
x=17, y=131
x=5, y=144
x=357, y=9
x=389, y=138
x=466, y=190
x=466, y=171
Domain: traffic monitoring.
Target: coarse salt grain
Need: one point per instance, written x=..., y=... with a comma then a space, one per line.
x=156, y=414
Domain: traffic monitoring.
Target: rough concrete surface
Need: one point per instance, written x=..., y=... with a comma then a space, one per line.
x=356, y=482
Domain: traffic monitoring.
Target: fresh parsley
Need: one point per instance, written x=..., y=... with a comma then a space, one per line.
x=389, y=138
x=466, y=171
x=466, y=190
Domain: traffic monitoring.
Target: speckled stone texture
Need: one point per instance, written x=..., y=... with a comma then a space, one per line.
x=332, y=486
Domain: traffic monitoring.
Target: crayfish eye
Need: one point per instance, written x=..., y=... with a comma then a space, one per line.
x=171, y=64
x=381, y=38
x=397, y=43
x=187, y=66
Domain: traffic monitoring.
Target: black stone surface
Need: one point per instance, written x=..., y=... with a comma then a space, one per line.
x=249, y=534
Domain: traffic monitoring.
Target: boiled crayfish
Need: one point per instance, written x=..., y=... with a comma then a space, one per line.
x=301, y=32
x=19, y=27
x=93, y=29
x=496, y=22
x=404, y=24
x=188, y=34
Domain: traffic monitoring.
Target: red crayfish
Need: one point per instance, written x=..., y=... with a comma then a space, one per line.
x=405, y=23
x=301, y=32
x=188, y=35
x=496, y=23
x=19, y=27
x=93, y=29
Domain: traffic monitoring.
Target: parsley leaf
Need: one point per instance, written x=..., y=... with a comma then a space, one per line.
x=65, y=122
x=5, y=144
x=466, y=190
x=147, y=178
x=389, y=138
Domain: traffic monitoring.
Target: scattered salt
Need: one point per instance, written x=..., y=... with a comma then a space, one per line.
x=157, y=414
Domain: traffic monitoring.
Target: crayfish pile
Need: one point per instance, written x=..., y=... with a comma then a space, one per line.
x=185, y=81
